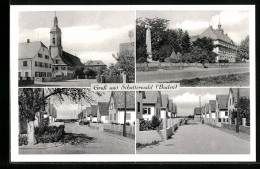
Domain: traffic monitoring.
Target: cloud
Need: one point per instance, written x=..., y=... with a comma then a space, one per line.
x=191, y=25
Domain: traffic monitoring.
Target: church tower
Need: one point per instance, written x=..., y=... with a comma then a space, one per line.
x=55, y=39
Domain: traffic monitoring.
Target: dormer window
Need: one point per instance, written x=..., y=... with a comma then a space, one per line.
x=53, y=40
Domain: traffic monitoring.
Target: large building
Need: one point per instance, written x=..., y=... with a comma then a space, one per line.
x=95, y=65
x=225, y=47
x=34, y=60
x=64, y=63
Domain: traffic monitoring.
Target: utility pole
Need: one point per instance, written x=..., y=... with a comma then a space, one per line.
x=238, y=112
x=200, y=107
x=124, y=127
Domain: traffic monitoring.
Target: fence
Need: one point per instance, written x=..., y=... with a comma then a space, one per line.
x=109, y=79
x=118, y=129
x=52, y=79
x=154, y=66
x=23, y=81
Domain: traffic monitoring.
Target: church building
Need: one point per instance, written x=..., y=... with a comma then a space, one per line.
x=224, y=45
x=64, y=63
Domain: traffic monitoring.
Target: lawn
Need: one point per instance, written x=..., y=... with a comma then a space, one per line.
x=222, y=80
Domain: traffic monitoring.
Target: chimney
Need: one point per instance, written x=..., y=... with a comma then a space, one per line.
x=28, y=40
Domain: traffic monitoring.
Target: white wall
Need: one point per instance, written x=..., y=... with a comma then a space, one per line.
x=146, y=116
x=94, y=119
x=121, y=116
x=104, y=120
x=213, y=115
x=222, y=114
x=207, y=115
x=163, y=113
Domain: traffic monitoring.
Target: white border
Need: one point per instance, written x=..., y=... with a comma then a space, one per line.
x=16, y=157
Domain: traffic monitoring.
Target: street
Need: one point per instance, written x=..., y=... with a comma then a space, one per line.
x=67, y=83
x=197, y=138
x=104, y=143
x=188, y=73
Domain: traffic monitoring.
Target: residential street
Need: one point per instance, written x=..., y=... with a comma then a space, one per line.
x=197, y=138
x=104, y=143
x=67, y=83
x=188, y=73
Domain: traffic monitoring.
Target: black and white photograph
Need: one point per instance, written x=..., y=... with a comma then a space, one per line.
x=76, y=121
x=188, y=121
x=76, y=48
x=193, y=48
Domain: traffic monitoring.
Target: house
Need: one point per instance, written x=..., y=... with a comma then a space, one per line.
x=207, y=110
x=170, y=109
x=165, y=106
x=82, y=116
x=94, y=112
x=95, y=65
x=34, y=60
x=233, y=95
x=152, y=104
x=140, y=95
x=222, y=108
x=225, y=47
x=197, y=113
x=212, y=109
x=174, y=110
x=102, y=112
x=120, y=102
x=203, y=112
x=88, y=113
x=64, y=63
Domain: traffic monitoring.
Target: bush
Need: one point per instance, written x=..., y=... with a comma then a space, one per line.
x=223, y=61
x=141, y=60
x=84, y=122
x=154, y=124
x=167, y=60
x=48, y=134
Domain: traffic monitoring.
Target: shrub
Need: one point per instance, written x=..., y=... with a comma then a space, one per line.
x=154, y=124
x=141, y=60
x=47, y=134
x=167, y=60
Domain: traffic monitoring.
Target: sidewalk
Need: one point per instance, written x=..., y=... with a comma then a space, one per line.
x=232, y=132
x=41, y=145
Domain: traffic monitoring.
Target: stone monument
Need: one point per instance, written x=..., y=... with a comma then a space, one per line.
x=148, y=43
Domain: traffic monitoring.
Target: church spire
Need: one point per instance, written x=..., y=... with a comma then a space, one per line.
x=219, y=27
x=55, y=20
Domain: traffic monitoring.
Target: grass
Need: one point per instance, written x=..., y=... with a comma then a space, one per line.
x=76, y=139
x=139, y=145
x=222, y=80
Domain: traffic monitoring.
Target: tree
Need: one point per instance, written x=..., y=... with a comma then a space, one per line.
x=79, y=71
x=90, y=73
x=243, y=49
x=243, y=106
x=126, y=62
x=33, y=100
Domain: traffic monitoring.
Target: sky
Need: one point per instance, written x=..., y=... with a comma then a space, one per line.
x=187, y=99
x=68, y=109
x=234, y=23
x=90, y=35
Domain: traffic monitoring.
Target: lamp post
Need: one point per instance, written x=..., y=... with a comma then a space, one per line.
x=238, y=112
x=124, y=127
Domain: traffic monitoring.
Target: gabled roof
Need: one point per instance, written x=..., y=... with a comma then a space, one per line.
x=119, y=99
x=103, y=108
x=197, y=111
x=215, y=34
x=222, y=101
x=29, y=50
x=94, y=110
x=165, y=100
x=152, y=97
x=212, y=104
x=243, y=92
x=94, y=63
x=70, y=59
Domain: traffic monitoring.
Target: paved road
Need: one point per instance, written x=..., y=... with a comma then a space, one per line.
x=67, y=83
x=197, y=138
x=189, y=73
x=105, y=143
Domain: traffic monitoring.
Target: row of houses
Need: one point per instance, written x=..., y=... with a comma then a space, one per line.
x=36, y=60
x=153, y=103
x=112, y=111
x=221, y=109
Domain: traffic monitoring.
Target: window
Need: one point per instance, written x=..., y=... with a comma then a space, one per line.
x=128, y=116
x=50, y=65
x=24, y=63
x=63, y=68
x=147, y=110
x=57, y=61
x=36, y=64
x=19, y=74
x=226, y=113
x=43, y=74
x=40, y=64
x=111, y=106
x=39, y=55
x=26, y=74
x=138, y=106
x=46, y=65
x=36, y=74
x=46, y=57
x=53, y=40
x=56, y=68
x=114, y=116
